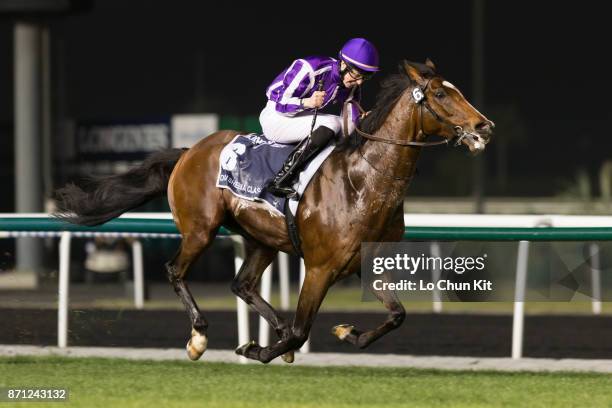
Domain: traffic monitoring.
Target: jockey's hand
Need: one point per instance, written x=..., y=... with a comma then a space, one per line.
x=364, y=114
x=315, y=101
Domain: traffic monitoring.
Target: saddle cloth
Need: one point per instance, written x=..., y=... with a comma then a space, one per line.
x=249, y=163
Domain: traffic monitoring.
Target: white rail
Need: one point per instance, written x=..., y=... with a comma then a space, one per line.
x=428, y=220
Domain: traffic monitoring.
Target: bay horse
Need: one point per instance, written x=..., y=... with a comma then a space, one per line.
x=356, y=196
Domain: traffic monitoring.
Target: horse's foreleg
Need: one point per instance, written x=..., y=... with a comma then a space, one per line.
x=245, y=285
x=388, y=298
x=176, y=269
x=313, y=291
x=361, y=339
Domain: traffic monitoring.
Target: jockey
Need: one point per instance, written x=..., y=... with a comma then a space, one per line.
x=309, y=85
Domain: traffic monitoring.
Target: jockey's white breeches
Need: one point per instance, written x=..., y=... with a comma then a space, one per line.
x=291, y=129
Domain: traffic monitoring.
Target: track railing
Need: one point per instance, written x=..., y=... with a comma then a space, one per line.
x=426, y=227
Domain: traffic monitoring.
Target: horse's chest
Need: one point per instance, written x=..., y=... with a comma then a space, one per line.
x=379, y=206
x=371, y=221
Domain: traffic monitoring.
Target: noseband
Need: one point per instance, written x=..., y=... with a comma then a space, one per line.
x=419, y=98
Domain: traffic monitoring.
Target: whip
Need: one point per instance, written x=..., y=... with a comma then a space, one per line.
x=316, y=111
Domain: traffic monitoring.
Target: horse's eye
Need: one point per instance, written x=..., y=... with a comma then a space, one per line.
x=440, y=94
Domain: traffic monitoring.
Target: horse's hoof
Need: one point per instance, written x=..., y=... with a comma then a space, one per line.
x=342, y=330
x=196, y=346
x=242, y=350
x=288, y=357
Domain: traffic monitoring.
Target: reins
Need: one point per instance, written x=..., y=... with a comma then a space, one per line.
x=419, y=98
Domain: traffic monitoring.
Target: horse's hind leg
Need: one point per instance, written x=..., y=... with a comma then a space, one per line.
x=191, y=247
x=257, y=259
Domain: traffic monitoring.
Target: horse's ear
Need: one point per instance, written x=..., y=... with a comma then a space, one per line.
x=413, y=73
x=430, y=64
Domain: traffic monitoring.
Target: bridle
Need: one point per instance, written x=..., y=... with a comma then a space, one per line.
x=419, y=98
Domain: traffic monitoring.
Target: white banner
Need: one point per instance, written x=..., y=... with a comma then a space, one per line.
x=187, y=130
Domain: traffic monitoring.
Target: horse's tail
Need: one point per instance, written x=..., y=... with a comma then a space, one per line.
x=105, y=198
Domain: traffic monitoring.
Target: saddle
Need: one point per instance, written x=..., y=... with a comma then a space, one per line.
x=249, y=163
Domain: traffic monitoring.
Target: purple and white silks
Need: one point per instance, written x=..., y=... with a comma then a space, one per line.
x=301, y=80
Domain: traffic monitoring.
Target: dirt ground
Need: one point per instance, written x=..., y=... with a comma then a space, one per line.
x=556, y=336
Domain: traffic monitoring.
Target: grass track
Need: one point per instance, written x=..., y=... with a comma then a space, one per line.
x=96, y=382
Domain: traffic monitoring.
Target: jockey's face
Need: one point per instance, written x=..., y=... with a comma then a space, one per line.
x=352, y=77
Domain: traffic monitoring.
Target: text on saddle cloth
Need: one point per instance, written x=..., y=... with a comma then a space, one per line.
x=249, y=163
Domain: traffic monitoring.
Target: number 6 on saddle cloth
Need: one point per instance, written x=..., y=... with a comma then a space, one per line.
x=250, y=162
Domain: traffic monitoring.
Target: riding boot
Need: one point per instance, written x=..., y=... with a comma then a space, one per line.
x=308, y=147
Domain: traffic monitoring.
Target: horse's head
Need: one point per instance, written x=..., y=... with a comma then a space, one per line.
x=444, y=111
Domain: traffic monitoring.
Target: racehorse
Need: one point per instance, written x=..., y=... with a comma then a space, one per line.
x=356, y=196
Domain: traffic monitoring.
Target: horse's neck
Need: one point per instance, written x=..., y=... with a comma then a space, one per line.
x=391, y=162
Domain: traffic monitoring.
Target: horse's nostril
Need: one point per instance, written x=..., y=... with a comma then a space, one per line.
x=485, y=127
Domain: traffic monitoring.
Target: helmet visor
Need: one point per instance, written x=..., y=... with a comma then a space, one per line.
x=356, y=73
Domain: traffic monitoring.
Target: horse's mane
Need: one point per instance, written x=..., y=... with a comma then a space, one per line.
x=391, y=89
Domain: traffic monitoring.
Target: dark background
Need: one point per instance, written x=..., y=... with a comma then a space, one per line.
x=546, y=85
x=546, y=74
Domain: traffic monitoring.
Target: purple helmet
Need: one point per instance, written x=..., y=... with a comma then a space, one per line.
x=361, y=54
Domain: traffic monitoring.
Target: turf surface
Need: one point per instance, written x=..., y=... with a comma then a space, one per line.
x=94, y=382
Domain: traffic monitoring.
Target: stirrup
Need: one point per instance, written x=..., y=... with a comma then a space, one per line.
x=282, y=191
x=281, y=185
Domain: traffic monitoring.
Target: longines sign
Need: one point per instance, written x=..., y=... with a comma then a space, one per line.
x=125, y=139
